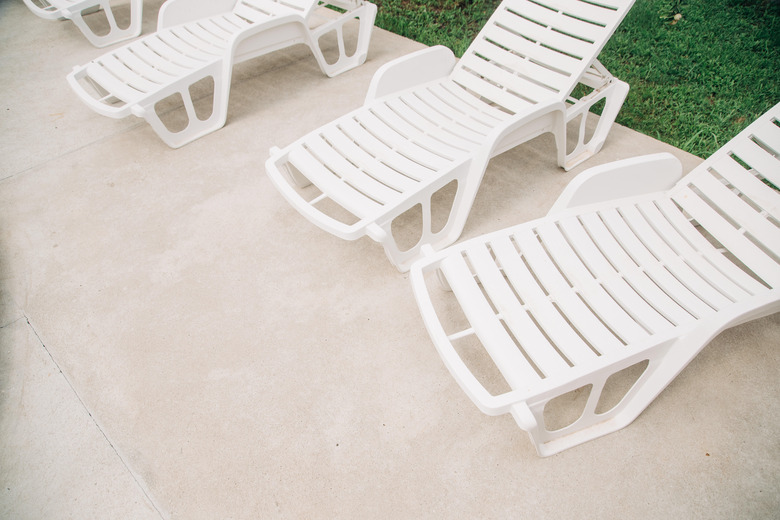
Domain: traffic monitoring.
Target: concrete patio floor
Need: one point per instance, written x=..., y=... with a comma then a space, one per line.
x=177, y=342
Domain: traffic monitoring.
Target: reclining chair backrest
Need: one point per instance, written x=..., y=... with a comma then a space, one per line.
x=734, y=197
x=529, y=51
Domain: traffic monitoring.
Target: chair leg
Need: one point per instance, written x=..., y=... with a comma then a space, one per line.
x=115, y=33
x=663, y=364
x=195, y=127
x=468, y=176
x=465, y=191
x=365, y=15
x=614, y=93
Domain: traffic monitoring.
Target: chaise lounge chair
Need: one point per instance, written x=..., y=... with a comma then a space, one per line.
x=75, y=10
x=201, y=40
x=619, y=284
x=429, y=122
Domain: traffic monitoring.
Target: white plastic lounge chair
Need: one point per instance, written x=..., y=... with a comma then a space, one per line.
x=75, y=10
x=201, y=39
x=428, y=121
x=617, y=278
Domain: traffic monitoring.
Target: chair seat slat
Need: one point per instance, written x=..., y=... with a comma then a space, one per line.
x=329, y=154
x=400, y=143
x=433, y=119
x=383, y=151
x=659, y=246
x=609, y=294
x=555, y=324
x=590, y=326
x=332, y=186
x=518, y=319
x=370, y=164
x=634, y=274
x=660, y=273
x=411, y=123
x=508, y=359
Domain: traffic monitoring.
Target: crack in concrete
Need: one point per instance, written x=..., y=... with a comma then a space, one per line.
x=136, y=478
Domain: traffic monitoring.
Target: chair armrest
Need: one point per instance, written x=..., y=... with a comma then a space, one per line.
x=463, y=376
x=276, y=167
x=76, y=81
x=408, y=71
x=619, y=179
x=176, y=12
x=511, y=401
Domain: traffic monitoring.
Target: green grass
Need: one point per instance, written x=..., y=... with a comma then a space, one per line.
x=695, y=83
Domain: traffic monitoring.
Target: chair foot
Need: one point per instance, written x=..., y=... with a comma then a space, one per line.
x=115, y=33
x=614, y=92
x=195, y=126
x=365, y=15
x=452, y=209
x=608, y=406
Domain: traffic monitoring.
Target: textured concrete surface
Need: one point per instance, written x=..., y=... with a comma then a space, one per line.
x=177, y=342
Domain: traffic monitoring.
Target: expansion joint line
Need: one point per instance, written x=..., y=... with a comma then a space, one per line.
x=139, y=482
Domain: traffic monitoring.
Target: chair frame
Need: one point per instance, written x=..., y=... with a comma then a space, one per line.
x=436, y=66
x=75, y=10
x=730, y=202
x=257, y=40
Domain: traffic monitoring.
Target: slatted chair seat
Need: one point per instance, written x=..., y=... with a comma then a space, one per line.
x=616, y=275
x=418, y=141
x=75, y=10
x=429, y=120
x=132, y=80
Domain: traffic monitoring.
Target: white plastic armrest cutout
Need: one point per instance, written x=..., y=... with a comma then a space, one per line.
x=619, y=179
x=408, y=71
x=176, y=12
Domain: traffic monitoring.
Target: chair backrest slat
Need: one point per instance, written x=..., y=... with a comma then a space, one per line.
x=734, y=197
x=760, y=153
x=562, y=37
